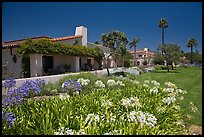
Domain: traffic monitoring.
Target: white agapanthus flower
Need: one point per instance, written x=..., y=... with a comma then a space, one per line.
x=132, y=101
x=154, y=90
x=155, y=83
x=146, y=81
x=64, y=96
x=120, y=83
x=141, y=117
x=83, y=82
x=125, y=102
x=136, y=82
x=99, y=84
x=193, y=107
x=106, y=103
x=132, y=116
x=111, y=82
x=170, y=85
x=92, y=118
x=151, y=120
x=64, y=131
x=145, y=85
x=168, y=90
x=169, y=100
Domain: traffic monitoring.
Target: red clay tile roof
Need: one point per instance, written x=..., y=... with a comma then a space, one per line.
x=16, y=42
x=66, y=38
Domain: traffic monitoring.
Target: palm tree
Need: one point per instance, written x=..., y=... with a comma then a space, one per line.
x=134, y=44
x=163, y=24
x=190, y=44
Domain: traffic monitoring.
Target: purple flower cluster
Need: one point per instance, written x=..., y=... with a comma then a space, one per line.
x=9, y=83
x=71, y=86
x=31, y=87
x=7, y=117
x=27, y=89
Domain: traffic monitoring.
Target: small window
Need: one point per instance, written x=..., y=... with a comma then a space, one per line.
x=139, y=55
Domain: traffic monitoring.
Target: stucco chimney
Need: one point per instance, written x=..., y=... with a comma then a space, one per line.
x=81, y=30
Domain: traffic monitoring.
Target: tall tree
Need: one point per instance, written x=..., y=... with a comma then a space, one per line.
x=171, y=54
x=116, y=41
x=190, y=44
x=163, y=24
x=134, y=44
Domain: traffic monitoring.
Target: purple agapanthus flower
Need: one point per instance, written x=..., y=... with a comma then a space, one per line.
x=71, y=86
x=8, y=117
x=9, y=83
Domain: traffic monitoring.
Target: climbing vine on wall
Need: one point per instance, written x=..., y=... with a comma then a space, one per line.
x=45, y=46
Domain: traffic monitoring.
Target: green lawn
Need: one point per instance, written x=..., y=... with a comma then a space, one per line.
x=190, y=79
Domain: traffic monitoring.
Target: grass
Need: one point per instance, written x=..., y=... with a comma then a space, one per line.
x=190, y=79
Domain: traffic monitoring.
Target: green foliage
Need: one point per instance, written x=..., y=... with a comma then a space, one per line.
x=196, y=57
x=45, y=46
x=188, y=78
x=46, y=116
x=127, y=59
x=158, y=59
x=160, y=67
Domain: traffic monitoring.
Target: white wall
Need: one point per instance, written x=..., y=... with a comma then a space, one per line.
x=36, y=65
x=15, y=68
x=62, y=60
x=82, y=31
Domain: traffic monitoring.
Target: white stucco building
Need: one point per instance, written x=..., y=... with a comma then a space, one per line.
x=39, y=63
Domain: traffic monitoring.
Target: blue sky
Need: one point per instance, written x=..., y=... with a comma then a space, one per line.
x=136, y=19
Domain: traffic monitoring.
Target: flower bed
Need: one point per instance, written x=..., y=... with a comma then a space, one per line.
x=95, y=106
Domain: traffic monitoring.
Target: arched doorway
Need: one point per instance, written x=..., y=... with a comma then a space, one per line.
x=138, y=63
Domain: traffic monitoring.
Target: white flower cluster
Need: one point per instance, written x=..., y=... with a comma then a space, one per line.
x=136, y=82
x=92, y=118
x=99, y=84
x=114, y=132
x=169, y=100
x=193, y=107
x=64, y=131
x=112, y=82
x=170, y=85
x=83, y=82
x=109, y=117
x=106, y=103
x=170, y=90
x=141, y=117
x=64, y=96
x=181, y=91
x=146, y=81
x=155, y=83
x=67, y=131
x=145, y=85
x=133, y=102
x=154, y=90
x=120, y=83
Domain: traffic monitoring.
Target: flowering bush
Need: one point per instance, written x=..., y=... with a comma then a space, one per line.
x=71, y=86
x=136, y=109
x=83, y=82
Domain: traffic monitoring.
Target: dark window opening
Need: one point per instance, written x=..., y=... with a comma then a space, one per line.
x=47, y=63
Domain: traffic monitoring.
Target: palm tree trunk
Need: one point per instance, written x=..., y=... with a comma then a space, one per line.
x=162, y=40
x=135, y=56
x=191, y=54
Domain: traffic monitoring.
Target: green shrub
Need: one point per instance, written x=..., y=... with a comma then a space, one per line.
x=116, y=109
